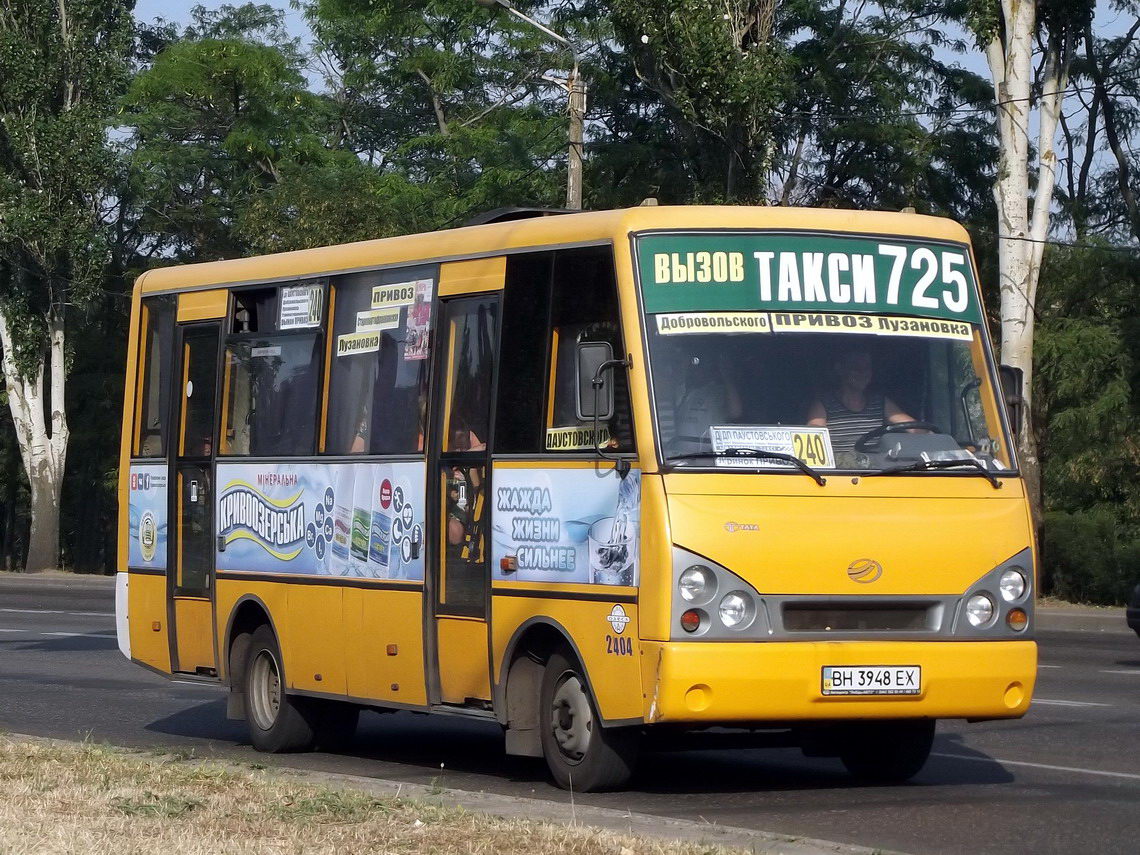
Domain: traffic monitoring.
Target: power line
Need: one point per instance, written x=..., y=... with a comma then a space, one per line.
x=1050, y=242
x=960, y=109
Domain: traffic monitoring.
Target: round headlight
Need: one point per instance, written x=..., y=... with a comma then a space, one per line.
x=697, y=584
x=979, y=610
x=736, y=610
x=1012, y=585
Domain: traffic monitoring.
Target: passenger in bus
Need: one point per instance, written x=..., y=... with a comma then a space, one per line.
x=852, y=407
x=708, y=397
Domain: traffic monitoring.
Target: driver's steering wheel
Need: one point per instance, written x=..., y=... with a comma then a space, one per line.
x=863, y=444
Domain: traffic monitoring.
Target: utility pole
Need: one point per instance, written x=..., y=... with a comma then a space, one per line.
x=577, y=91
x=575, y=88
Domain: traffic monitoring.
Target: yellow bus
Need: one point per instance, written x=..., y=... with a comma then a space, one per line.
x=590, y=476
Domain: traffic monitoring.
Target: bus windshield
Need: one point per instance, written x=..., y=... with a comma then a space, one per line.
x=847, y=353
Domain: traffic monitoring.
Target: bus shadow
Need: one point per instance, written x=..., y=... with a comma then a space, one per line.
x=447, y=750
x=787, y=769
x=202, y=721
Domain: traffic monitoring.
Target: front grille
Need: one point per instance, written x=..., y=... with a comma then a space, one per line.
x=855, y=617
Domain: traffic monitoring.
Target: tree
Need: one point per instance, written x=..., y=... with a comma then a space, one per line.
x=446, y=98
x=1099, y=195
x=1008, y=31
x=62, y=64
x=817, y=103
x=219, y=114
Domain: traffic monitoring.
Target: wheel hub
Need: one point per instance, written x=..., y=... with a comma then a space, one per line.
x=572, y=720
x=265, y=690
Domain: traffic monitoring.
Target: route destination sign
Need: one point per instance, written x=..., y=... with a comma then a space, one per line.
x=830, y=273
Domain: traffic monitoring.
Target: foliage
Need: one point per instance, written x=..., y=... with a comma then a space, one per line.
x=1090, y=559
x=1088, y=362
x=61, y=67
x=217, y=117
x=809, y=103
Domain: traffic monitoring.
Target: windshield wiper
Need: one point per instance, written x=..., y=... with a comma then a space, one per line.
x=755, y=452
x=920, y=465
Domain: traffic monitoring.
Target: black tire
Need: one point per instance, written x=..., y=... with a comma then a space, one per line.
x=887, y=752
x=336, y=725
x=582, y=755
x=278, y=722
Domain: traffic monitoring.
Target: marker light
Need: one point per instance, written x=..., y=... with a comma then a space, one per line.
x=735, y=610
x=697, y=584
x=979, y=610
x=691, y=620
x=1012, y=585
x=1017, y=620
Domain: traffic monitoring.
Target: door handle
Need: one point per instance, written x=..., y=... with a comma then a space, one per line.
x=193, y=492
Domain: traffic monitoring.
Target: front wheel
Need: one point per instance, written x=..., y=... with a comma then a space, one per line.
x=887, y=752
x=582, y=755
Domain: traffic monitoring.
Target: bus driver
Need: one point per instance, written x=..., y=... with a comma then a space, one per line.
x=850, y=408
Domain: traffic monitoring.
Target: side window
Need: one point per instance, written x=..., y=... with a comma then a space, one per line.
x=551, y=302
x=152, y=406
x=379, y=373
x=467, y=413
x=520, y=425
x=584, y=308
x=272, y=372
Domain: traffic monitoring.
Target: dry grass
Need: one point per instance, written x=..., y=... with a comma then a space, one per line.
x=106, y=801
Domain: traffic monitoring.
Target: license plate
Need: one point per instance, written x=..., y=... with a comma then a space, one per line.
x=871, y=680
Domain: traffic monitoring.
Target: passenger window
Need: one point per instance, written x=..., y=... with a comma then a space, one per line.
x=584, y=308
x=379, y=373
x=471, y=344
x=152, y=407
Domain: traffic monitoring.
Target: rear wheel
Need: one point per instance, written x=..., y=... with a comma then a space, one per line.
x=887, y=752
x=582, y=755
x=277, y=721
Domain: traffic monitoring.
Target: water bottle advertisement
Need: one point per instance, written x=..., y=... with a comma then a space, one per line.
x=567, y=525
x=148, y=502
x=344, y=519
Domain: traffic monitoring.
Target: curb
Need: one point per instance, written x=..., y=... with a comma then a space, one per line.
x=1108, y=621
x=519, y=807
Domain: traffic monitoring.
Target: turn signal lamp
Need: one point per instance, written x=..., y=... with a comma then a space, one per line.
x=691, y=620
x=1017, y=620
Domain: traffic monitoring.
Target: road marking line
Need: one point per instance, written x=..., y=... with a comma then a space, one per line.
x=1048, y=666
x=1058, y=703
x=1119, y=671
x=1126, y=775
x=15, y=630
x=80, y=634
x=56, y=612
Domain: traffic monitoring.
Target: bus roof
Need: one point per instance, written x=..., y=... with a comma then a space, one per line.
x=536, y=233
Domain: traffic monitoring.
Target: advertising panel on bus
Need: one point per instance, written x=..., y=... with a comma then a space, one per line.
x=335, y=519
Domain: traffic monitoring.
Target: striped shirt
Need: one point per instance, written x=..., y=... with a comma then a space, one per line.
x=846, y=425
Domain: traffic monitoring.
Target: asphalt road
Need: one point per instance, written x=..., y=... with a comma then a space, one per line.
x=1065, y=778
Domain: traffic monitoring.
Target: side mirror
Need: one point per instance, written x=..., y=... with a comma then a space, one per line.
x=595, y=400
x=1012, y=385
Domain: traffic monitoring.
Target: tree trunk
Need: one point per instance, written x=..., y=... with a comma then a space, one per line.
x=43, y=541
x=1022, y=236
x=41, y=437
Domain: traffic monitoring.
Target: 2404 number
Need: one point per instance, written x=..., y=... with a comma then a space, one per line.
x=619, y=645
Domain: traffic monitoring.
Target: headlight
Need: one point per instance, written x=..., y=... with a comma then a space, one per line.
x=979, y=610
x=697, y=584
x=1012, y=585
x=736, y=610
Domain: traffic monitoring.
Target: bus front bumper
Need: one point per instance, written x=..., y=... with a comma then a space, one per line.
x=777, y=681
